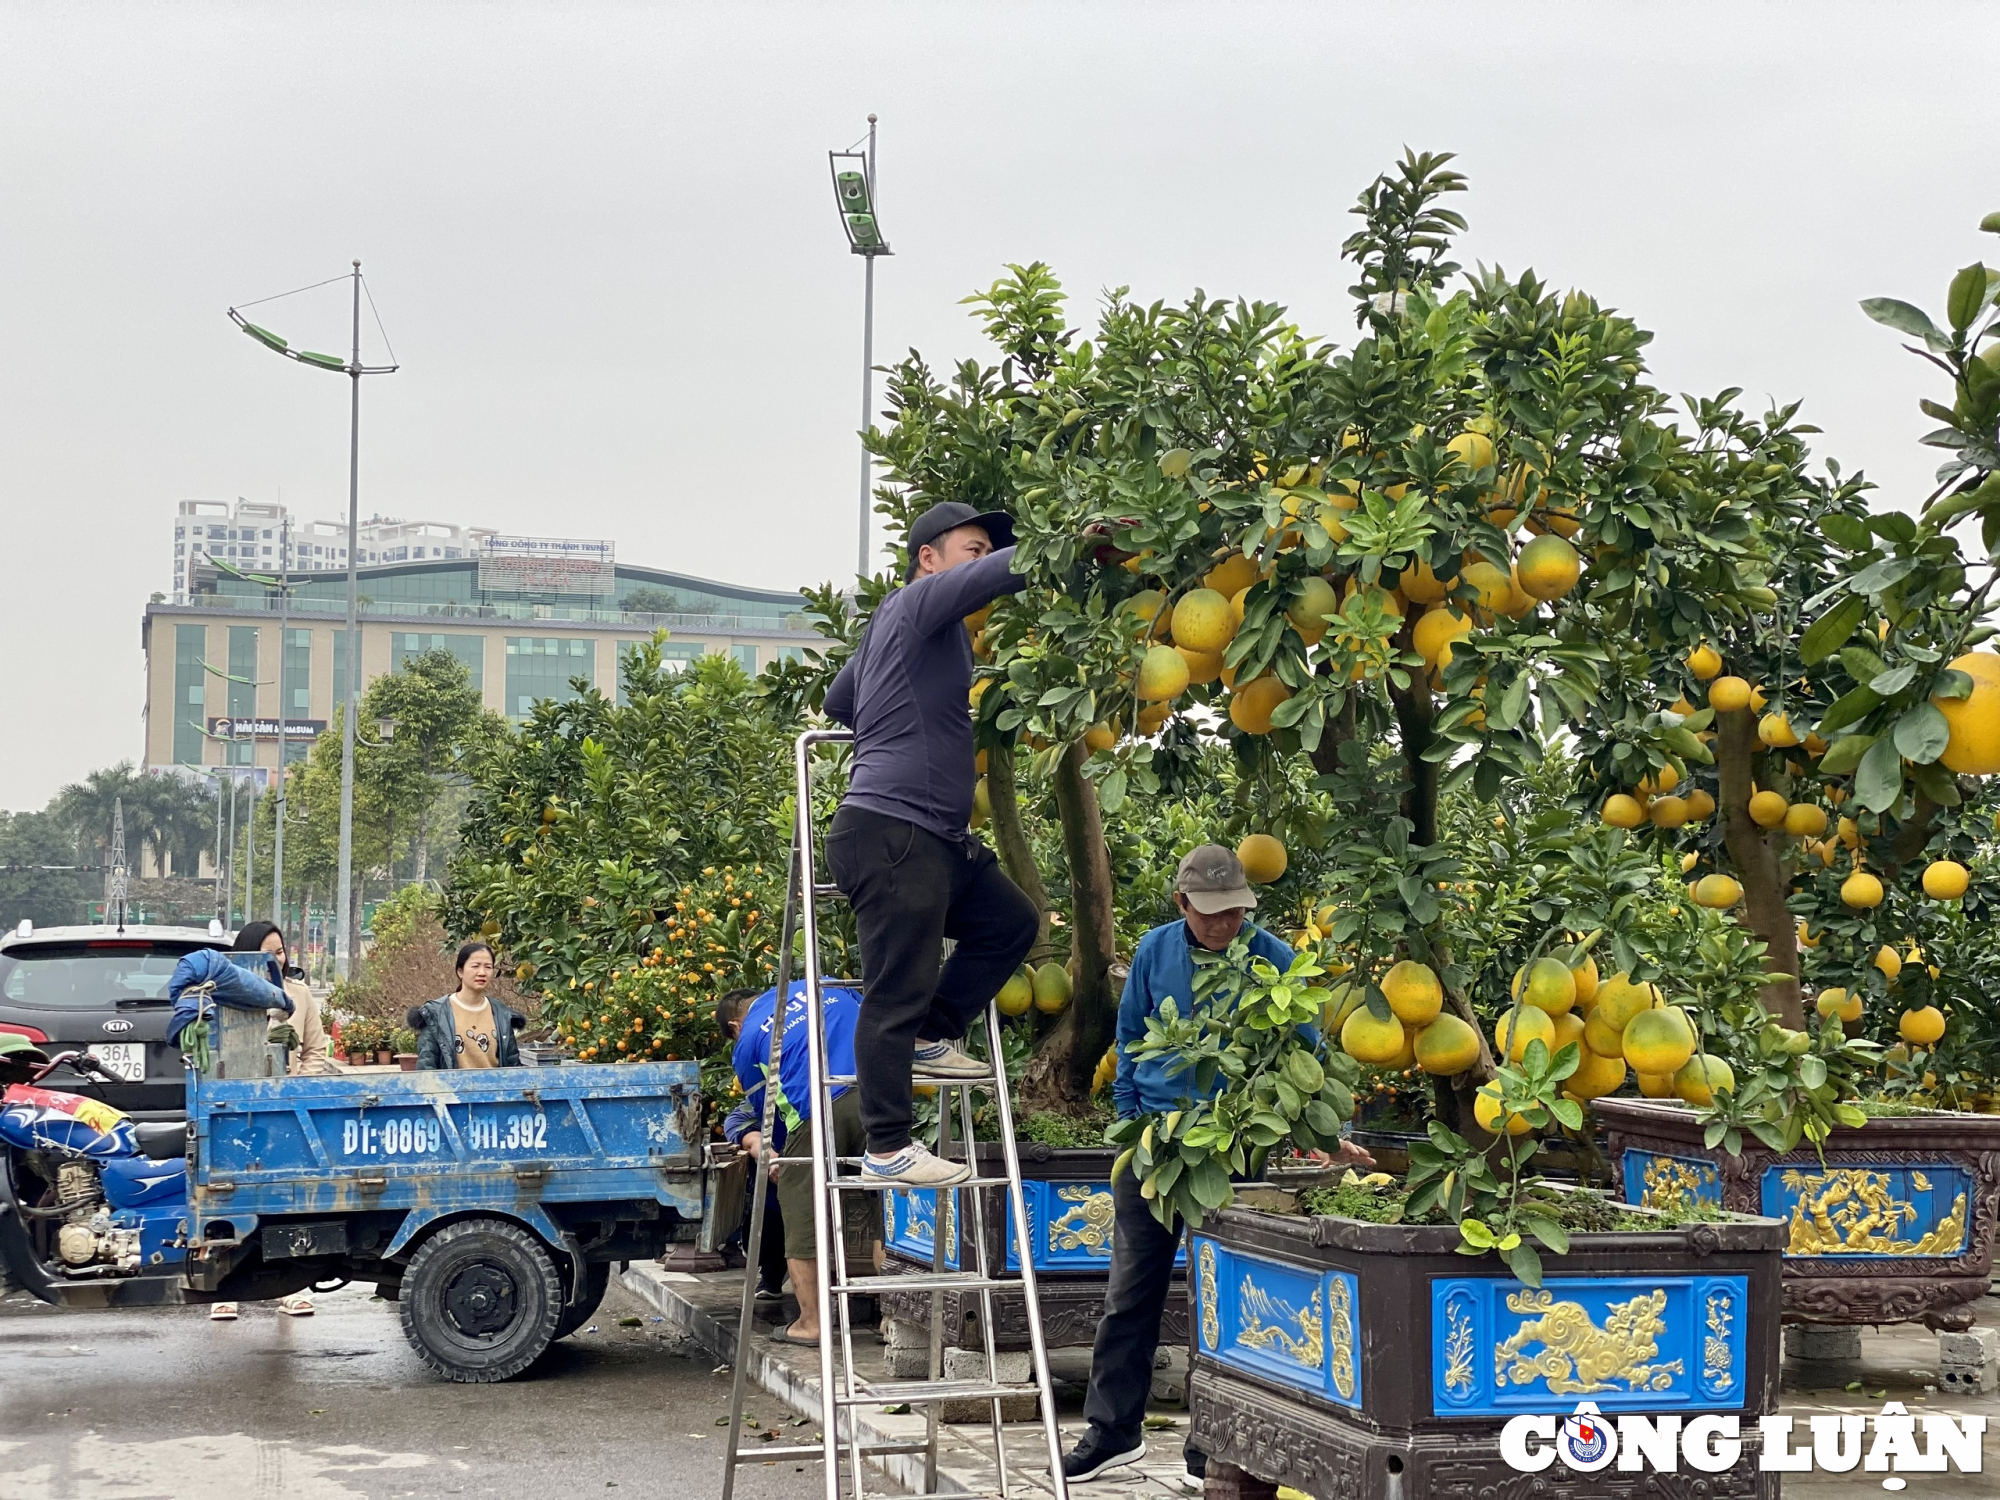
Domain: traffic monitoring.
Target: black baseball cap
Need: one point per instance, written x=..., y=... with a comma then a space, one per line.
x=949, y=515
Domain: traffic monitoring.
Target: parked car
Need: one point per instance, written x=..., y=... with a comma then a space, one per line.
x=102, y=989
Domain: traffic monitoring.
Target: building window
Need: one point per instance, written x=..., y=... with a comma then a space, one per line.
x=190, y=693
x=745, y=657
x=242, y=671
x=469, y=649
x=298, y=674
x=542, y=667
x=791, y=653
x=340, y=666
x=674, y=655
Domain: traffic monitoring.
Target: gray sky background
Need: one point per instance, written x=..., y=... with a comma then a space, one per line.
x=603, y=242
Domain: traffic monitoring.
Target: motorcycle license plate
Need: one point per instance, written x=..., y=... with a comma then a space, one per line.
x=126, y=1059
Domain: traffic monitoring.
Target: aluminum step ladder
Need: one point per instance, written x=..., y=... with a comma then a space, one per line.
x=842, y=1390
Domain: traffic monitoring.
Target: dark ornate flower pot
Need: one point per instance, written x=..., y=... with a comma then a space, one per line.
x=1897, y=1225
x=1068, y=1195
x=1353, y=1360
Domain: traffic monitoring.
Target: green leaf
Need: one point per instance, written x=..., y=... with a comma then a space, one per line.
x=1966, y=297
x=1569, y=1112
x=1548, y=1231
x=1831, y=630
x=1878, y=780
x=1848, y=709
x=1922, y=734
x=1305, y=1072
x=1893, y=681
x=1936, y=783
x=1845, y=754
x=1525, y=1263
x=1474, y=1232
x=1902, y=317
x=1209, y=1183
x=1850, y=533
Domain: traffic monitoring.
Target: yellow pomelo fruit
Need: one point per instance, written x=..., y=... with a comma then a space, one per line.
x=1309, y=607
x=1595, y=1076
x=1144, y=607
x=1974, y=720
x=1341, y=1002
x=1703, y=663
x=1413, y=992
x=1656, y=1085
x=1238, y=603
x=1051, y=988
x=1601, y=1037
x=1447, y=1046
x=1668, y=812
x=1252, y=704
x=1520, y=603
x=1726, y=695
x=1420, y=585
x=1945, y=880
x=1569, y=1028
x=1889, y=961
x=1017, y=994
x=1805, y=819
x=1922, y=1027
x=1659, y=1041
x=1585, y=975
x=1203, y=666
x=1473, y=449
x=1622, y=811
x=1152, y=716
x=1263, y=858
x=1701, y=1077
x=1861, y=891
x=1548, y=567
x=1231, y=576
x=1838, y=1002
x=1163, y=674
x=1435, y=630
x=1202, y=622
x=1547, y=985
x=1406, y=1058
x=1663, y=780
x=1688, y=862
x=1806, y=938
x=1366, y=1039
x=1493, y=585
x=1776, y=731
x=1768, y=809
x=1700, y=805
x=1619, y=1000
x=1517, y=1028
x=1717, y=891
x=1100, y=736
x=1487, y=1110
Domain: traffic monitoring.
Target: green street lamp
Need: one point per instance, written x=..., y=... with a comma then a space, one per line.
x=854, y=194
x=343, y=943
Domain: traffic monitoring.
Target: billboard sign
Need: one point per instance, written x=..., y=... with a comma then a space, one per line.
x=547, y=565
x=245, y=727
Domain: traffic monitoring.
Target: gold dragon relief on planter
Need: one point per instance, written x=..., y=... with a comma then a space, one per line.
x=1671, y=1183
x=1855, y=1211
x=1086, y=1225
x=1276, y=1327
x=1577, y=1357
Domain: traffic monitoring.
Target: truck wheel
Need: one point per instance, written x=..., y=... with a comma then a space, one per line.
x=597, y=1276
x=481, y=1300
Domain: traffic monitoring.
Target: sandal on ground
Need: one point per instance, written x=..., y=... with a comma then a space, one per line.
x=783, y=1335
x=298, y=1306
x=222, y=1312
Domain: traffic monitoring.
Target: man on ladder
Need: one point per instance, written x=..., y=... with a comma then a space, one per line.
x=900, y=848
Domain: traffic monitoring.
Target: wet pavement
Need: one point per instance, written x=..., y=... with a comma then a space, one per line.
x=162, y=1404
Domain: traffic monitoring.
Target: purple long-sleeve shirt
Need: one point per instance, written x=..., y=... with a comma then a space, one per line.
x=903, y=693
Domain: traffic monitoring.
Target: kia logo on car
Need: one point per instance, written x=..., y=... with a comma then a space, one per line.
x=117, y=1028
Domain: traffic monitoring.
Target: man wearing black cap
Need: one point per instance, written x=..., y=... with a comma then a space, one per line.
x=900, y=848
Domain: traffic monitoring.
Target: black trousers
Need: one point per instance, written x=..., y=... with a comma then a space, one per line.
x=1128, y=1335
x=911, y=890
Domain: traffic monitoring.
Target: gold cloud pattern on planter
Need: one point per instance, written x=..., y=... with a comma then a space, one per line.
x=1578, y=1358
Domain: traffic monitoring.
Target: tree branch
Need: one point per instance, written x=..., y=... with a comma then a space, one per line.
x=1755, y=856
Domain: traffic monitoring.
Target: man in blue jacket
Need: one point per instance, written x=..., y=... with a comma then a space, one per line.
x=747, y=1016
x=1214, y=900
x=900, y=848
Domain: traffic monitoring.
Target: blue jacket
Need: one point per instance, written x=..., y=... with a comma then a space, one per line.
x=752, y=1056
x=208, y=973
x=903, y=694
x=1162, y=968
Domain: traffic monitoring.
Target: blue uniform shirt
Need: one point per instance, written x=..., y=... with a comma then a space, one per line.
x=753, y=1055
x=903, y=693
x=1163, y=968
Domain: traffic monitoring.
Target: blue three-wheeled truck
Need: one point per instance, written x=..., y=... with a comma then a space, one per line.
x=489, y=1205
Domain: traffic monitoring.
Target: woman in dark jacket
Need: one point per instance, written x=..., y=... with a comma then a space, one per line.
x=468, y=1028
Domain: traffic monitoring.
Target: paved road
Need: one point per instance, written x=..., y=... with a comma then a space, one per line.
x=165, y=1405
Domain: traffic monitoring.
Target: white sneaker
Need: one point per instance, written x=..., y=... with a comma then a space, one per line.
x=942, y=1060
x=914, y=1166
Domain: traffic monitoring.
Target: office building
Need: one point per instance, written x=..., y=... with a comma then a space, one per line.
x=260, y=536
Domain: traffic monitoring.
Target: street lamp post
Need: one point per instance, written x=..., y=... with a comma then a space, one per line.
x=343, y=943
x=854, y=192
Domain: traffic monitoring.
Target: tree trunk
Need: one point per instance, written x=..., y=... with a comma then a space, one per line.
x=1755, y=855
x=1060, y=1072
x=1414, y=716
x=1017, y=856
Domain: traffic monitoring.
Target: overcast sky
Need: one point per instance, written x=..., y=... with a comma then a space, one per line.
x=602, y=239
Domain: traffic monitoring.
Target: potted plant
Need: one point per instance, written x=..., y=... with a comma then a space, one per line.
x=1354, y=1338
x=403, y=1046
